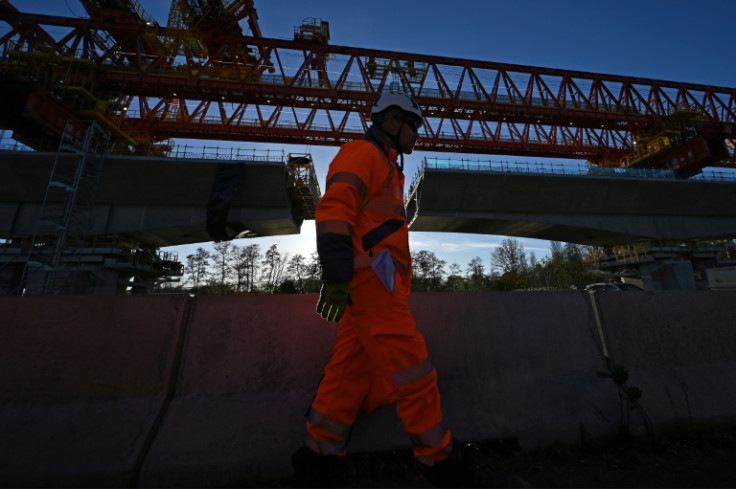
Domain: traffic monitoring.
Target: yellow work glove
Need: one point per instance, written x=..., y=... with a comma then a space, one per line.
x=333, y=299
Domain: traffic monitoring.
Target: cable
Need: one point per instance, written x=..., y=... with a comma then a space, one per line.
x=70, y=9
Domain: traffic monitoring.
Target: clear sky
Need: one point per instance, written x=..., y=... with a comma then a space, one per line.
x=678, y=40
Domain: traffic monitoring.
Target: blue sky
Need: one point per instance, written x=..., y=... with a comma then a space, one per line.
x=674, y=40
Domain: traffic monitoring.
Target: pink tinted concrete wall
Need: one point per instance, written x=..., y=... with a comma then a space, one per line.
x=679, y=348
x=516, y=364
x=251, y=366
x=82, y=380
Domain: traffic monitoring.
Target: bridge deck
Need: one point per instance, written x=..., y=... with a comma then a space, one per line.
x=157, y=201
x=583, y=209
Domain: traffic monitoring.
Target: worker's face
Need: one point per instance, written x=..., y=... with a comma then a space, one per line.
x=404, y=128
x=408, y=135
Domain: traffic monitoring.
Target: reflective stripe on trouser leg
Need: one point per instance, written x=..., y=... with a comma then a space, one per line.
x=378, y=339
x=419, y=407
x=395, y=342
x=343, y=388
x=327, y=436
x=433, y=446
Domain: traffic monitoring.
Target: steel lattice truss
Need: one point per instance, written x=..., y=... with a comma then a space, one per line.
x=154, y=83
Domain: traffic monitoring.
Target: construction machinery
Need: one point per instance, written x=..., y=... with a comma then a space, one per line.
x=210, y=74
x=204, y=77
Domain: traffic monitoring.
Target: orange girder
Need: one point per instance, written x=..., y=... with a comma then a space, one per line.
x=306, y=92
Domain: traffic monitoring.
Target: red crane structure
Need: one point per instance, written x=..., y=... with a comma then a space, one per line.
x=118, y=83
x=202, y=77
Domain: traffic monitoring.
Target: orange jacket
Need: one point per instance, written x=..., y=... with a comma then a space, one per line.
x=361, y=213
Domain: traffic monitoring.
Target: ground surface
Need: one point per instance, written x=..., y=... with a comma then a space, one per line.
x=679, y=458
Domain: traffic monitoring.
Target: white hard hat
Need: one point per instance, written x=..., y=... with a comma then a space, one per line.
x=397, y=99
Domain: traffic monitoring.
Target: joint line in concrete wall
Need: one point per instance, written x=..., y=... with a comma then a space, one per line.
x=599, y=325
x=171, y=392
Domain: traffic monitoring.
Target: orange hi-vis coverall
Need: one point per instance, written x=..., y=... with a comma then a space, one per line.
x=379, y=356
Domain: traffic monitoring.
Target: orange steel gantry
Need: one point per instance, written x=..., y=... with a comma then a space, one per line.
x=202, y=77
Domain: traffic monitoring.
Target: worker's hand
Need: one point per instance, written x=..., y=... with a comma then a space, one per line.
x=333, y=299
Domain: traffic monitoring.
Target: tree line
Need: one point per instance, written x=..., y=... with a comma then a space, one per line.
x=231, y=269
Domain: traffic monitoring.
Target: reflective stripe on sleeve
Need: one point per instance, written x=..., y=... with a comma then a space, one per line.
x=350, y=179
x=335, y=226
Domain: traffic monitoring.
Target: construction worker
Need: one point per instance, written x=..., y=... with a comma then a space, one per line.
x=380, y=356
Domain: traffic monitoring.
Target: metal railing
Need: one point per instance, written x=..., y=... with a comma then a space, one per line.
x=232, y=153
x=574, y=169
x=227, y=153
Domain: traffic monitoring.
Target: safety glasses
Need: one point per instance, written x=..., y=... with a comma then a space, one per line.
x=412, y=123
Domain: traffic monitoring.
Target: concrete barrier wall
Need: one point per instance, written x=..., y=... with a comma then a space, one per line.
x=251, y=367
x=82, y=381
x=180, y=391
x=680, y=350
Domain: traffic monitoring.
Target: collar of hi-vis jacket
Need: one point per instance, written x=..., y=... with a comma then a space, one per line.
x=373, y=136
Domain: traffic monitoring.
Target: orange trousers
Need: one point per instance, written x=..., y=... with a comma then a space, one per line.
x=379, y=358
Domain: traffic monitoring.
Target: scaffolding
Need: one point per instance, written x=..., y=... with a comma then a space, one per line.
x=302, y=184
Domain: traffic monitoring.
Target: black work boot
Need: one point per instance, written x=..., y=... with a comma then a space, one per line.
x=312, y=469
x=461, y=470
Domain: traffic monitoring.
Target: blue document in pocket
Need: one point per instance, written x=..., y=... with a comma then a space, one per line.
x=383, y=265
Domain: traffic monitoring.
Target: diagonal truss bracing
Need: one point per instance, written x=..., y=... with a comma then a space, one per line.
x=306, y=92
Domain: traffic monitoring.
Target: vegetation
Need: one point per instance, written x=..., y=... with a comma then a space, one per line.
x=234, y=269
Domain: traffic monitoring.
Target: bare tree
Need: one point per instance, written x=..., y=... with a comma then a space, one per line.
x=556, y=250
x=509, y=257
x=197, y=266
x=273, y=268
x=574, y=252
x=314, y=269
x=223, y=259
x=455, y=280
x=297, y=269
x=427, y=270
x=313, y=274
x=246, y=260
x=475, y=274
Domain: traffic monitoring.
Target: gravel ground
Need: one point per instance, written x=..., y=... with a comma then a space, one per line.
x=679, y=458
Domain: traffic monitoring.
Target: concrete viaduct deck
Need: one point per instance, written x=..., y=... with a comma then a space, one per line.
x=585, y=209
x=153, y=200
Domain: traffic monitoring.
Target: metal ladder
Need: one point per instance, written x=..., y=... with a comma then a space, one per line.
x=54, y=255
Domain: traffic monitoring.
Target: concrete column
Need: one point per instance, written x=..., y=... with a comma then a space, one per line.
x=668, y=275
